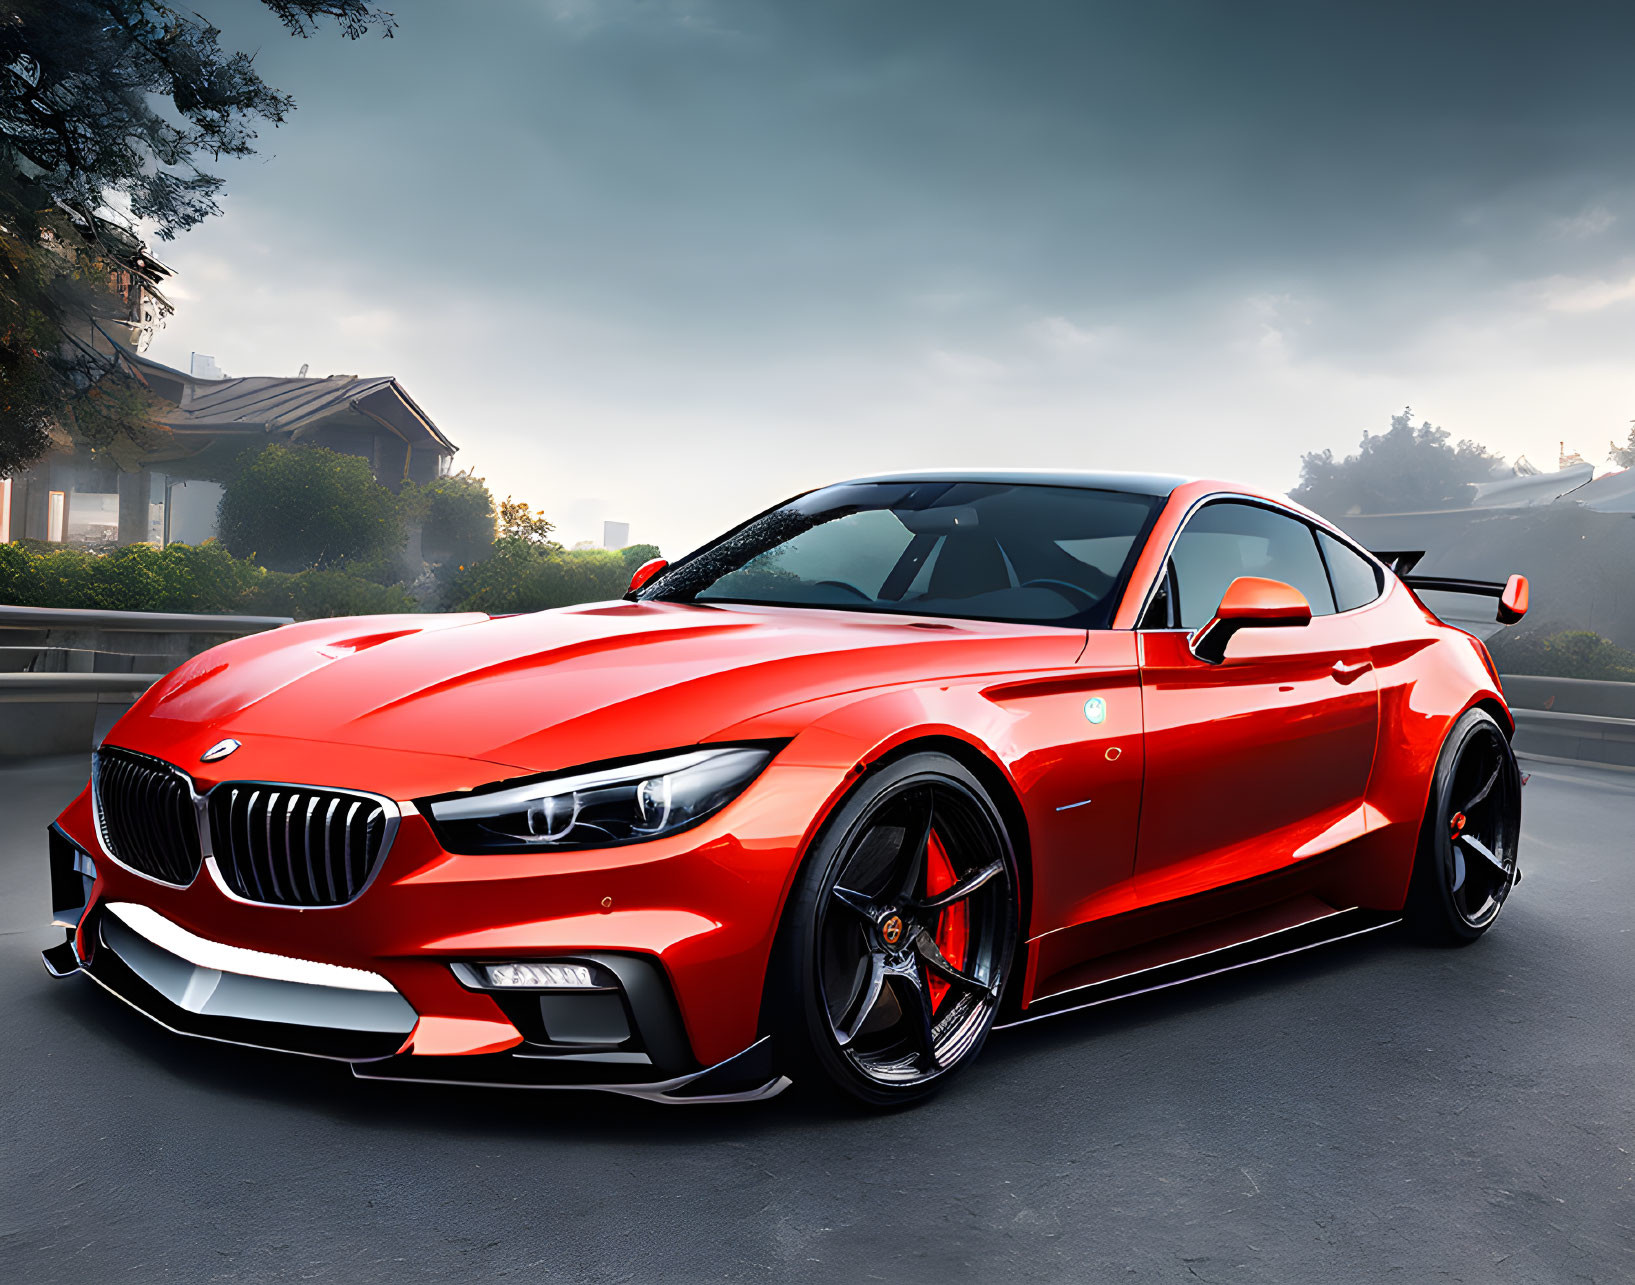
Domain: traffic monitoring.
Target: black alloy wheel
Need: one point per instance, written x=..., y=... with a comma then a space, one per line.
x=900, y=935
x=1467, y=862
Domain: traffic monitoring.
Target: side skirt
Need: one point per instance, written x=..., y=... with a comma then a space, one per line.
x=1191, y=964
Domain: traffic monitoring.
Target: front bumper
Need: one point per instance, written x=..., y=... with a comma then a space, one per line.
x=370, y=1026
x=683, y=924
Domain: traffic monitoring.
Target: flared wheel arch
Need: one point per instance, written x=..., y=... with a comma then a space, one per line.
x=1003, y=795
x=1416, y=897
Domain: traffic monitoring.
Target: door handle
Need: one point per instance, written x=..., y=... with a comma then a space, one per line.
x=1344, y=672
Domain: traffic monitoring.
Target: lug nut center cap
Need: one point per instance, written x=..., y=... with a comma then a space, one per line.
x=891, y=929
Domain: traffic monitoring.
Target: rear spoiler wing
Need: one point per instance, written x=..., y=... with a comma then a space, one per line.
x=1512, y=593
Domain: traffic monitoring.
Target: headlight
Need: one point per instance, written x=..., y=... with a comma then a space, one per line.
x=600, y=808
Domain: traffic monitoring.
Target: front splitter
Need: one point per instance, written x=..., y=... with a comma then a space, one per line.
x=748, y=1076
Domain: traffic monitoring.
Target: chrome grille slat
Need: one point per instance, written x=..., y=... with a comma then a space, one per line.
x=306, y=848
x=329, y=847
x=269, y=805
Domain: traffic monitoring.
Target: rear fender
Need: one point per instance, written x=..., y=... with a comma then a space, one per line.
x=1424, y=690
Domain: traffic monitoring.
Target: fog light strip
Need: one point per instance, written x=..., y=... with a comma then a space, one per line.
x=534, y=975
x=201, y=952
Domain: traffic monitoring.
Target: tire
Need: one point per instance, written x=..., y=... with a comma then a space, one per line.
x=883, y=984
x=1466, y=863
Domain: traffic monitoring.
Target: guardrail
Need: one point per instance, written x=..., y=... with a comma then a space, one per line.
x=141, y=622
x=1573, y=720
x=1575, y=738
x=67, y=675
x=62, y=713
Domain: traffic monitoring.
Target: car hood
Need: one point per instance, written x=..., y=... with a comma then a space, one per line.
x=557, y=688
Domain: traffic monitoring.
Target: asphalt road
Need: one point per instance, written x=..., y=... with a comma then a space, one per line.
x=1374, y=1111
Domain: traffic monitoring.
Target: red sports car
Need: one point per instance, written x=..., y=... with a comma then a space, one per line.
x=892, y=764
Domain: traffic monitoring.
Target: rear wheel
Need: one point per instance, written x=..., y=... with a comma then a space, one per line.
x=1466, y=865
x=898, y=939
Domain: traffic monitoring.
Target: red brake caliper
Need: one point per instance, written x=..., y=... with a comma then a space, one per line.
x=951, y=932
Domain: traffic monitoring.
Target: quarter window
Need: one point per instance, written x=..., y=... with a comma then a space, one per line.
x=1226, y=540
x=1356, y=580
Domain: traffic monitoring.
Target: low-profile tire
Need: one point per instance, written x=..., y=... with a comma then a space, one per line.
x=898, y=936
x=1466, y=864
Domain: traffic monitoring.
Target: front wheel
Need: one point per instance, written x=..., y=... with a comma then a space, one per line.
x=1466, y=864
x=899, y=935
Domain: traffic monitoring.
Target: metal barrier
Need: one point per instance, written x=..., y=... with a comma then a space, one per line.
x=1573, y=720
x=66, y=675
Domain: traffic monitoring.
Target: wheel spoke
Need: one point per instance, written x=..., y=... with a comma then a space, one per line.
x=916, y=839
x=917, y=1013
x=861, y=902
x=1481, y=849
x=1484, y=791
x=926, y=947
x=867, y=999
x=963, y=889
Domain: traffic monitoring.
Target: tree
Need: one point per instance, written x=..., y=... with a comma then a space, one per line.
x=456, y=517
x=295, y=507
x=521, y=523
x=1403, y=470
x=109, y=105
x=636, y=554
x=1624, y=456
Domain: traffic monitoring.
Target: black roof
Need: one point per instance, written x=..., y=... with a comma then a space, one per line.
x=1159, y=484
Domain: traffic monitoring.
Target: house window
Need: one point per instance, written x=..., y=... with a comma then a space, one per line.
x=93, y=517
x=156, y=509
x=5, y=509
x=56, y=516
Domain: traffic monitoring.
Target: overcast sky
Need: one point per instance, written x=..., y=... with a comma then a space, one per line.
x=669, y=261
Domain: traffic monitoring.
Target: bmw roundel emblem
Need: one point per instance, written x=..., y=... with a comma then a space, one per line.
x=1095, y=709
x=220, y=750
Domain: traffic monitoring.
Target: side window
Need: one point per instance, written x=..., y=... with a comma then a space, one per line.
x=1226, y=540
x=1357, y=581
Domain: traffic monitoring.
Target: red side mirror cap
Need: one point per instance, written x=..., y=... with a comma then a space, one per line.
x=1249, y=602
x=1513, y=601
x=1253, y=600
x=644, y=573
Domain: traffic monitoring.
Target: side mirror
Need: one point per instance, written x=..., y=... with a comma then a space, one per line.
x=1513, y=601
x=644, y=573
x=1249, y=603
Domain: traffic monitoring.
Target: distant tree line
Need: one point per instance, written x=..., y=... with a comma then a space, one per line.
x=1405, y=469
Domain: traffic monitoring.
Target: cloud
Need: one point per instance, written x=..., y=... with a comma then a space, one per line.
x=1566, y=294
x=1062, y=337
x=687, y=257
x=1589, y=222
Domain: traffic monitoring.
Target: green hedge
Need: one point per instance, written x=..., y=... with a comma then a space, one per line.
x=520, y=575
x=516, y=576
x=182, y=577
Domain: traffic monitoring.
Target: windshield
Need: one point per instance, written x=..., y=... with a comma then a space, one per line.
x=1051, y=555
